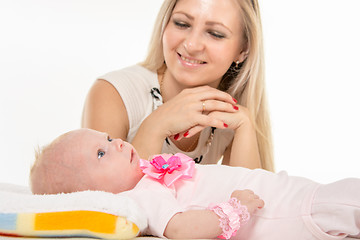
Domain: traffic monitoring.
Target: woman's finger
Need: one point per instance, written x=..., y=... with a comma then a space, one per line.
x=193, y=131
x=210, y=105
x=206, y=92
x=203, y=120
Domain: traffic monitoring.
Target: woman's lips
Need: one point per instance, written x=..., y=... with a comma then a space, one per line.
x=192, y=62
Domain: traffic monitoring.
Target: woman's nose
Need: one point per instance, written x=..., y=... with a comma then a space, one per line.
x=193, y=42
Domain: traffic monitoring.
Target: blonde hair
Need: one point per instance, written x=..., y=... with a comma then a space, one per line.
x=246, y=83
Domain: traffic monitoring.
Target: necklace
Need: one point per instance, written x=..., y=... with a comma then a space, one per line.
x=191, y=146
x=193, y=143
x=162, y=82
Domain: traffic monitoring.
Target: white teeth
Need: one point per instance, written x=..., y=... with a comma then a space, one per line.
x=191, y=60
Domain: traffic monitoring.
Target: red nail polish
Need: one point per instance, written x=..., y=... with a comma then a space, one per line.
x=176, y=136
x=225, y=125
x=186, y=134
x=234, y=100
x=236, y=107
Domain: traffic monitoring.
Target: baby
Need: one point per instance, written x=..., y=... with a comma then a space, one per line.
x=184, y=200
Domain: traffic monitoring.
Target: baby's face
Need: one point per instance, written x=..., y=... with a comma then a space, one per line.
x=110, y=165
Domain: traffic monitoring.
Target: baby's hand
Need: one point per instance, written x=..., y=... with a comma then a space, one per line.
x=249, y=199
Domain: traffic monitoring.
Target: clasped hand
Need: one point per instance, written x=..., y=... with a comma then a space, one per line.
x=194, y=109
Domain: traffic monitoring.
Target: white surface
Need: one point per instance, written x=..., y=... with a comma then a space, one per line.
x=52, y=51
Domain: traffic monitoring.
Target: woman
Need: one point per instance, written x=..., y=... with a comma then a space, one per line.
x=205, y=56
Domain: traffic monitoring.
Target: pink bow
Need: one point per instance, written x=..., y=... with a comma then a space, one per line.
x=168, y=168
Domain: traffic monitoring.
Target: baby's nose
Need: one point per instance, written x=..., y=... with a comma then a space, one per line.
x=119, y=144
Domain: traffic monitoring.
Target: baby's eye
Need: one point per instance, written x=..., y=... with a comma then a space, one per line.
x=101, y=153
x=109, y=139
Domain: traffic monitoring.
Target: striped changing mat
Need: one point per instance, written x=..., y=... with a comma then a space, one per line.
x=81, y=214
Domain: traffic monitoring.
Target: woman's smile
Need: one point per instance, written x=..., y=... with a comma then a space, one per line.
x=189, y=61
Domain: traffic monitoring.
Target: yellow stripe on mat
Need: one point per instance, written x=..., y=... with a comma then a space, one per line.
x=71, y=220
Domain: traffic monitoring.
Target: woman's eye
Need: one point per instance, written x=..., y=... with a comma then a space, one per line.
x=101, y=153
x=181, y=24
x=217, y=35
x=109, y=139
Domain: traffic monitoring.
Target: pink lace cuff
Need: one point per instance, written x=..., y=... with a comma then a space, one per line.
x=232, y=216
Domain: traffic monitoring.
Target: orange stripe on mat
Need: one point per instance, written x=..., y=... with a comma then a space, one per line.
x=76, y=220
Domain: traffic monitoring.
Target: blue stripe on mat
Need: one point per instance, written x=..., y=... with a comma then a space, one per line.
x=8, y=221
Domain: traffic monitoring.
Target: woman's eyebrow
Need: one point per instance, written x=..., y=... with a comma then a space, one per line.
x=209, y=23
x=184, y=13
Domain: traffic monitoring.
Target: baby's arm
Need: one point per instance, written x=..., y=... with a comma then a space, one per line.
x=193, y=224
x=205, y=223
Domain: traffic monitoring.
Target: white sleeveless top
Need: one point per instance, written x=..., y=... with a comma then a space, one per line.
x=137, y=87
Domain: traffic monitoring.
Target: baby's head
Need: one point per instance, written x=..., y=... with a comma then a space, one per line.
x=85, y=159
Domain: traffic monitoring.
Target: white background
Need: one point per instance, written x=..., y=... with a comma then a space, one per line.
x=52, y=51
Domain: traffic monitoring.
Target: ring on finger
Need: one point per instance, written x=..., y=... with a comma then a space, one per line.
x=203, y=107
